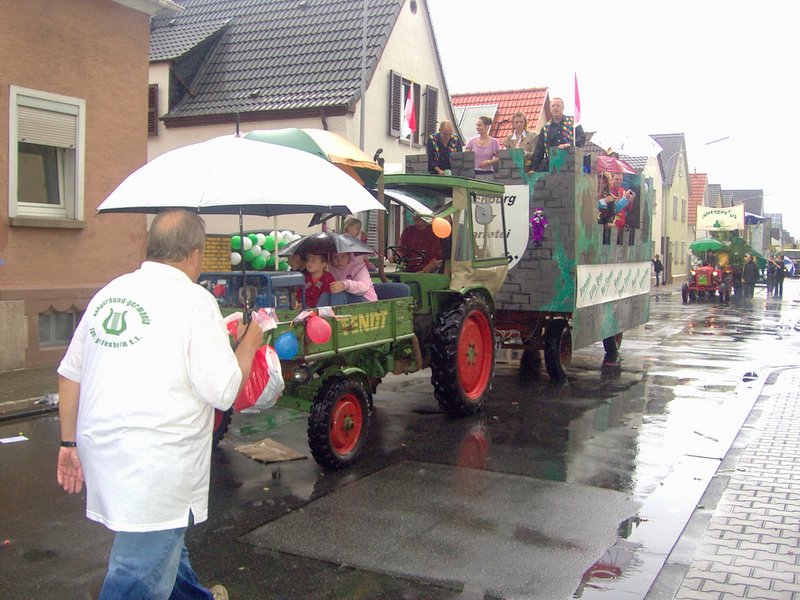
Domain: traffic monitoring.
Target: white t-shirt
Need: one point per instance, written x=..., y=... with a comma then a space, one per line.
x=153, y=360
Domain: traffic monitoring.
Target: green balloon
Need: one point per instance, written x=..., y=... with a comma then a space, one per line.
x=271, y=261
x=259, y=262
x=253, y=238
x=284, y=265
x=236, y=242
x=248, y=255
x=283, y=244
x=269, y=243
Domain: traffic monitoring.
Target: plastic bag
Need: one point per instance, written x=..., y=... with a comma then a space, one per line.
x=265, y=384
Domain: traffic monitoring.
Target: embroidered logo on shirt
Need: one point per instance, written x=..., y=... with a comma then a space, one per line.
x=121, y=326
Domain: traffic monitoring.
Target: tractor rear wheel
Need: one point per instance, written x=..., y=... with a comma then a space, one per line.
x=222, y=420
x=557, y=349
x=612, y=344
x=337, y=425
x=462, y=356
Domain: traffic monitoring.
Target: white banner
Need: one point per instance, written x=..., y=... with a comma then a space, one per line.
x=516, y=206
x=720, y=219
x=597, y=284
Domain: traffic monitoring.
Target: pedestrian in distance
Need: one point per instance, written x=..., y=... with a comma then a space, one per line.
x=772, y=270
x=749, y=276
x=146, y=367
x=780, y=275
x=658, y=268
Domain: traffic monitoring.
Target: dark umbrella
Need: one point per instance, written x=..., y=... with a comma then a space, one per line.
x=326, y=242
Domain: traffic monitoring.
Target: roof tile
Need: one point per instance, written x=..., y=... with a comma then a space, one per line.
x=530, y=101
x=312, y=49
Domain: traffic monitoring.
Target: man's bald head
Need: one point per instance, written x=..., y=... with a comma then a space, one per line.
x=174, y=235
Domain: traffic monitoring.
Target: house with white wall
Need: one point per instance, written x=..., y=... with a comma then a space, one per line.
x=295, y=63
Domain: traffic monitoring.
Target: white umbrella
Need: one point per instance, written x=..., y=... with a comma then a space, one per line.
x=234, y=175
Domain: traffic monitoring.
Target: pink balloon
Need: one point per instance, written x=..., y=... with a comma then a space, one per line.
x=318, y=330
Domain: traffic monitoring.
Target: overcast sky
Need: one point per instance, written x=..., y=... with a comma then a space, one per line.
x=709, y=69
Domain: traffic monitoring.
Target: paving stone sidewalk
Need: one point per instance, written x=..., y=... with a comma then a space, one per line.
x=751, y=548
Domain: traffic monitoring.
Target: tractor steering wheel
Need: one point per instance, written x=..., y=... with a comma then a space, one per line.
x=408, y=258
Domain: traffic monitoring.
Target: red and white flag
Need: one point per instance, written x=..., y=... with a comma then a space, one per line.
x=577, y=101
x=409, y=122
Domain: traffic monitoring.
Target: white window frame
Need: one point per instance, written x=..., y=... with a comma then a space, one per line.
x=70, y=165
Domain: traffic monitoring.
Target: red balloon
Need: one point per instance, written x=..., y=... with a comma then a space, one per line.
x=318, y=330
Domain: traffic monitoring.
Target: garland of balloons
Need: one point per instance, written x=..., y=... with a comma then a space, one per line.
x=259, y=250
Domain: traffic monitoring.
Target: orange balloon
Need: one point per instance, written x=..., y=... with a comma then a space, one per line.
x=441, y=227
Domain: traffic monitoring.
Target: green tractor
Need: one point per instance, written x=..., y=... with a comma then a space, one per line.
x=442, y=320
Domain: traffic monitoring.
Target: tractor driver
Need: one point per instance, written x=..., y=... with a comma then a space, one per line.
x=419, y=236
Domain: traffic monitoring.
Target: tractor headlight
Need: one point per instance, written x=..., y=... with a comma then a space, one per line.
x=715, y=274
x=693, y=272
x=300, y=374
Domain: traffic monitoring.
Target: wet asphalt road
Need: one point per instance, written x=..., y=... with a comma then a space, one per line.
x=552, y=491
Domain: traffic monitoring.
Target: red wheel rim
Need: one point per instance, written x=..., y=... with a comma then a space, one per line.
x=346, y=423
x=475, y=355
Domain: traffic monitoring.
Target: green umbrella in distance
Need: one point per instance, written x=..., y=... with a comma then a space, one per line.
x=706, y=244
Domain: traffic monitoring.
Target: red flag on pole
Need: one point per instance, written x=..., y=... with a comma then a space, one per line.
x=577, y=101
x=409, y=124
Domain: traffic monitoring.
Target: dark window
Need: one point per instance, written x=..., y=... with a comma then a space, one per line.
x=606, y=235
x=398, y=92
x=56, y=328
x=152, y=110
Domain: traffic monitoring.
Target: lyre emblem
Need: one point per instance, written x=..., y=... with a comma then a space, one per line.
x=114, y=323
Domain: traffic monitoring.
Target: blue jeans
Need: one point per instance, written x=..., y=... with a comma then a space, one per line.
x=151, y=565
x=339, y=298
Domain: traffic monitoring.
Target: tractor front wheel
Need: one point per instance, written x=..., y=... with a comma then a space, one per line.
x=462, y=356
x=557, y=349
x=337, y=425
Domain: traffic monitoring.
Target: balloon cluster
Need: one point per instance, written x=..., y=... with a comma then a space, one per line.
x=260, y=250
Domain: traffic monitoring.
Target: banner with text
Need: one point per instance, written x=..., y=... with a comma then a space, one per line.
x=603, y=283
x=720, y=219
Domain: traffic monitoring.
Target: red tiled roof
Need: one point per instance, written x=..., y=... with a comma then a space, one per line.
x=531, y=102
x=697, y=191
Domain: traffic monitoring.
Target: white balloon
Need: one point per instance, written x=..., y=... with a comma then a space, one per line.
x=266, y=253
x=236, y=258
x=247, y=243
x=256, y=250
x=260, y=237
x=286, y=235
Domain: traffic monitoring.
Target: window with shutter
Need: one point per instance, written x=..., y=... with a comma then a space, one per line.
x=152, y=110
x=431, y=110
x=395, y=102
x=46, y=163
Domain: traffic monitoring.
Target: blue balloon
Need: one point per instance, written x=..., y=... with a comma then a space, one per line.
x=286, y=346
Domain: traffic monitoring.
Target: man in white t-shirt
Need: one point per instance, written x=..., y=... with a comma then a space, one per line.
x=146, y=367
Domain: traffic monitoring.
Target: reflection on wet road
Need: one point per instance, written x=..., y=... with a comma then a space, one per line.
x=621, y=452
